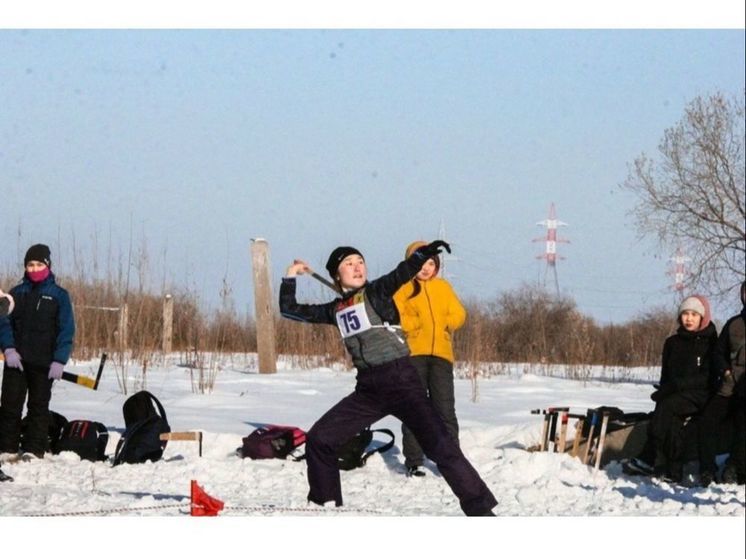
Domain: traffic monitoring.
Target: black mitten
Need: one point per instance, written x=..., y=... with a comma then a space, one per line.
x=663, y=392
x=433, y=249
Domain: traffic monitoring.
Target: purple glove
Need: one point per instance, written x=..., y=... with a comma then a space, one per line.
x=55, y=370
x=13, y=359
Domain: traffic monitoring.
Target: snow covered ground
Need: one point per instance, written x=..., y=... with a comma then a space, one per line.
x=543, y=495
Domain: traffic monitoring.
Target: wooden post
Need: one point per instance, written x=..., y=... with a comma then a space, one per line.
x=265, y=319
x=168, y=323
x=563, y=432
x=544, y=432
x=123, y=320
x=183, y=436
x=553, y=413
x=589, y=440
x=601, y=440
x=576, y=440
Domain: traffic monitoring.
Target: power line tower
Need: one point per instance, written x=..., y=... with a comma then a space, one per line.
x=679, y=271
x=550, y=251
x=445, y=256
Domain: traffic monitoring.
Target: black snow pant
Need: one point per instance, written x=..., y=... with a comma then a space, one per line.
x=16, y=384
x=668, y=422
x=436, y=375
x=718, y=410
x=393, y=388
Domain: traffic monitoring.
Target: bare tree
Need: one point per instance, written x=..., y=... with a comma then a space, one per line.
x=693, y=196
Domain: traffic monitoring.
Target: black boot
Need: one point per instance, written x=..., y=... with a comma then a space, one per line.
x=729, y=474
x=415, y=471
x=706, y=479
x=675, y=472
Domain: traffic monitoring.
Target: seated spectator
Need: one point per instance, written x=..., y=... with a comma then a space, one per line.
x=726, y=404
x=683, y=390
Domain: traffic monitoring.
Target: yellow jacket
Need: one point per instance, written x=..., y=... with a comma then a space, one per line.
x=429, y=318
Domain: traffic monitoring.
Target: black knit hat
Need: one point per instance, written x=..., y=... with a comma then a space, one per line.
x=40, y=253
x=336, y=257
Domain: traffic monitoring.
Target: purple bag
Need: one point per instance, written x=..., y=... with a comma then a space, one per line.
x=273, y=441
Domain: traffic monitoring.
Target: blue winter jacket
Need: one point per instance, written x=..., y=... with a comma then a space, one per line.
x=42, y=325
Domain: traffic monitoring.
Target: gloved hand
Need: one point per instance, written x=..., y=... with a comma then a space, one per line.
x=433, y=249
x=13, y=359
x=728, y=385
x=55, y=370
x=663, y=392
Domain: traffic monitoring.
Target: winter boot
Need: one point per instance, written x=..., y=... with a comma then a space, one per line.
x=706, y=479
x=415, y=471
x=729, y=474
x=637, y=467
x=31, y=456
x=675, y=472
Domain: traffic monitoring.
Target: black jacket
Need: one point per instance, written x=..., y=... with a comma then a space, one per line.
x=687, y=364
x=731, y=353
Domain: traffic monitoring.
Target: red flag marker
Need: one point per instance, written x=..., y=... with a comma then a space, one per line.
x=202, y=503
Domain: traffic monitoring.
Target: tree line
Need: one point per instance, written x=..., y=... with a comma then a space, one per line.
x=525, y=325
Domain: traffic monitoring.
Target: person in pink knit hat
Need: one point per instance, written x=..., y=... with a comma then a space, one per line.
x=683, y=390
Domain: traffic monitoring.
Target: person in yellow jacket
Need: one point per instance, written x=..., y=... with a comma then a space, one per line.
x=430, y=312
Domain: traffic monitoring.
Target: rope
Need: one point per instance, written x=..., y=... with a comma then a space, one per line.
x=275, y=508
x=104, y=512
x=256, y=508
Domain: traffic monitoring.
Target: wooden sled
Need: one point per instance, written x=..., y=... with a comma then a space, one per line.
x=620, y=443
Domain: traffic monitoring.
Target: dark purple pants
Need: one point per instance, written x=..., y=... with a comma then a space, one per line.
x=391, y=389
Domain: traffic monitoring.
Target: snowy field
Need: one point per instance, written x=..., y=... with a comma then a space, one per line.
x=541, y=496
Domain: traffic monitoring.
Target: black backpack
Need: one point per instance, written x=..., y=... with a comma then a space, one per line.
x=353, y=453
x=57, y=423
x=145, y=420
x=85, y=438
x=617, y=419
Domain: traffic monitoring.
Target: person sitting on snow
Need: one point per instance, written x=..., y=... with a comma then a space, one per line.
x=683, y=390
x=728, y=402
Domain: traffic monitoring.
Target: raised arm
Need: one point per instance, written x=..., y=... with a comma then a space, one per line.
x=289, y=306
x=390, y=283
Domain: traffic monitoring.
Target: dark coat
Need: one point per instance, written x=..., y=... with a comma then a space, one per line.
x=687, y=363
x=730, y=355
x=42, y=325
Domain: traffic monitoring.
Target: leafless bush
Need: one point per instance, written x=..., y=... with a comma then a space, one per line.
x=530, y=326
x=206, y=369
x=527, y=326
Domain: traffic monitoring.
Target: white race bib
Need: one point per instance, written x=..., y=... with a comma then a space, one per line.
x=353, y=318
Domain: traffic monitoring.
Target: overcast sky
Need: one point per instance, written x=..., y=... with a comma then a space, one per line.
x=189, y=143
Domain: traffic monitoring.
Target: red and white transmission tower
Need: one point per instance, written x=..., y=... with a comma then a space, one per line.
x=550, y=253
x=679, y=270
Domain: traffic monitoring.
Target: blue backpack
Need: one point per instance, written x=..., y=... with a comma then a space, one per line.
x=145, y=420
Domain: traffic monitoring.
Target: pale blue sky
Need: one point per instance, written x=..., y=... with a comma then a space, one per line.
x=198, y=141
